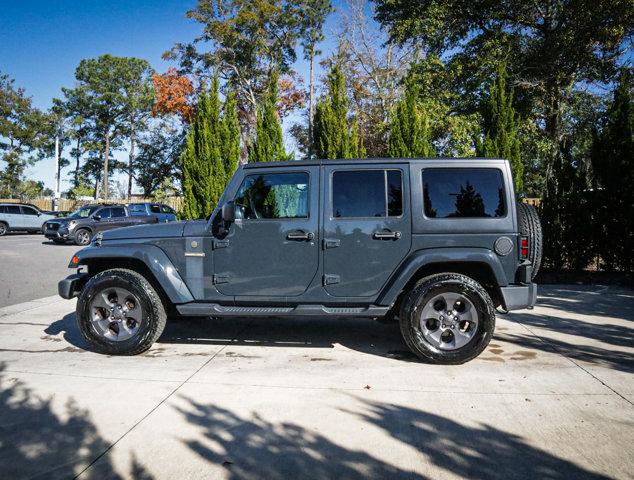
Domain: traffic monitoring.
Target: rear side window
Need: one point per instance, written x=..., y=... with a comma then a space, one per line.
x=3, y=209
x=137, y=208
x=367, y=193
x=28, y=211
x=13, y=209
x=273, y=195
x=463, y=193
x=117, y=212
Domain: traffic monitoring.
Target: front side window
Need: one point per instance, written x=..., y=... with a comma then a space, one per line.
x=367, y=193
x=463, y=193
x=273, y=195
x=155, y=208
x=166, y=209
x=103, y=213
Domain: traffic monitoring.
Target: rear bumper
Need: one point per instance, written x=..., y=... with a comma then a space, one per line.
x=517, y=297
x=72, y=285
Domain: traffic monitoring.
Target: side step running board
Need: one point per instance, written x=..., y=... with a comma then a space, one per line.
x=214, y=309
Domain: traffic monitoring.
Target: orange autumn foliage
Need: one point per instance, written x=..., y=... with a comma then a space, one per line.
x=173, y=95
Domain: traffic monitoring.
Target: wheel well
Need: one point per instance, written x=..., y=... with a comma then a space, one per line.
x=81, y=227
x=97, y=265
x=481, y=272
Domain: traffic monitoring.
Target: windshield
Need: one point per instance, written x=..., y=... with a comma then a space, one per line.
x=84, y=212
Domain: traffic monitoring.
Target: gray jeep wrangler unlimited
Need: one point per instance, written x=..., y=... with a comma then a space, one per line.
x=436, y=243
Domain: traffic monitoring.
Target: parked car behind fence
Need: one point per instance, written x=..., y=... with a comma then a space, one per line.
x=21, y=217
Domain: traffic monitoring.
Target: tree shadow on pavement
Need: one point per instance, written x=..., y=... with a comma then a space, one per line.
x=480, y=452
x=36, y=441
x=254, y=447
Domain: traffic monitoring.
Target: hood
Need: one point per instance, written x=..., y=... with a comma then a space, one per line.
x=156, y=230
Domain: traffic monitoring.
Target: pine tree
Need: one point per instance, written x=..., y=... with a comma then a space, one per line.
x=500, y=129
x=230, y=135
x=204, y=175
x=333, y=136
x=268, y=144
x=409, y=132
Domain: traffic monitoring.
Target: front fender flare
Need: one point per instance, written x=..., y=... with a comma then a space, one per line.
x=151, y=256
x=422, y=258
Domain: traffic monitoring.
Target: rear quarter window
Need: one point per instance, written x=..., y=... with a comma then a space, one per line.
x=463, y=193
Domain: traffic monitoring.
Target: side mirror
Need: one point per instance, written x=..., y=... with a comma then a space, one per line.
x=229, y=212
x=96, y=217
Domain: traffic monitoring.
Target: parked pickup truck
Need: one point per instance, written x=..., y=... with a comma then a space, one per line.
x=85, y=222
x=161, y=211
x=438, y=244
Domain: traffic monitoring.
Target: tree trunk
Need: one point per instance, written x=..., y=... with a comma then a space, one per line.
x=311, y=103
x=78, y=156
x=131, y=164
x=105, y=166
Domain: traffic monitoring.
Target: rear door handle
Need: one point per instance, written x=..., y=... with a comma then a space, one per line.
x=300, y=235
x=387, y=235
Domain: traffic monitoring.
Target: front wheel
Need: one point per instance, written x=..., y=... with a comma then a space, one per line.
x=82, y=237
x=120, y=313
x=447, y=318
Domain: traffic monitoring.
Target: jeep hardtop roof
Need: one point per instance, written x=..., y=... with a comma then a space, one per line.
x=370, y=161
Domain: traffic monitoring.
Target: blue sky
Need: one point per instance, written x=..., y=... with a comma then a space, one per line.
x=42, y=42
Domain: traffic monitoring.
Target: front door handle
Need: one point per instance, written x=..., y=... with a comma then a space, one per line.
x=300, y=235
x=387, y=235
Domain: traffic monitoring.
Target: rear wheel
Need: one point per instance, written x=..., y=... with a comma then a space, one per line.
x=120, y=313
x=531, y=227
x=447, y=318
x=4, y=228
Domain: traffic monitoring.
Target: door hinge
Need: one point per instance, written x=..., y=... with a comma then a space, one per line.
x=331, y=243
x=216, y=279
x=220, y=244
x=330, y=279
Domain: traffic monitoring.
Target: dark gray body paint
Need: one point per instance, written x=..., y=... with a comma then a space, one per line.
x=255, y=270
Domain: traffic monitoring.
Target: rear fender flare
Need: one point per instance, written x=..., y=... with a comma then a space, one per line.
x=422, y=258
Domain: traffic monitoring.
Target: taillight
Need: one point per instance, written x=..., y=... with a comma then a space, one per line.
x=523, y=248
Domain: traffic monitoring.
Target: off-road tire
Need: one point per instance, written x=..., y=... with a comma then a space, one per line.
x=79, y=237
x=153, y=320
x=424, y=290
x=531, y=227
x=4, y=228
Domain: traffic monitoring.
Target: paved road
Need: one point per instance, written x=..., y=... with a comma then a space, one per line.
x=30, y=267
x=550, y=398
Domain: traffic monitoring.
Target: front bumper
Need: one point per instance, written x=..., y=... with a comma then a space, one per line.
x=57, y=234
x=517, y=297
x=72, y=285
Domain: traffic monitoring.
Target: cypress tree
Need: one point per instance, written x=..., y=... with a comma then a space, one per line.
x=409, y=132
x=230, y=135
x=268, y=144
x=203, y=169
x=612, y=159
x=500, y=128
x=333, y=137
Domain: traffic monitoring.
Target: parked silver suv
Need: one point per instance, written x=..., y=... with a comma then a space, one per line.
x=21, y=217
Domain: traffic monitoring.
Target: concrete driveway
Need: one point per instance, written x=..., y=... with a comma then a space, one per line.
x=550, y=398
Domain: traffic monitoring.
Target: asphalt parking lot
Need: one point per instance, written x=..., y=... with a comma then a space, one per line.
x=552, y=397
x=30, y=267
